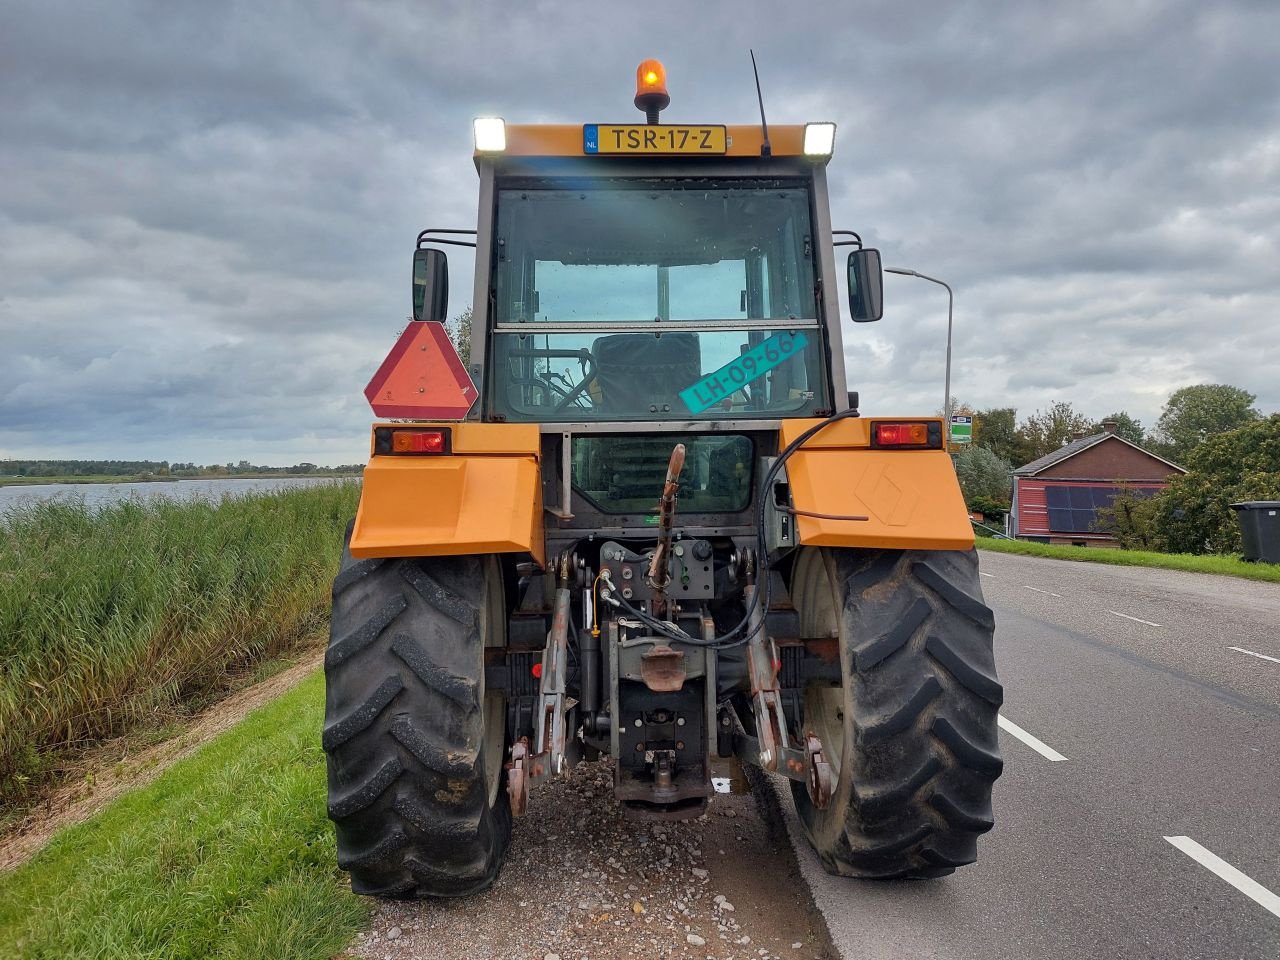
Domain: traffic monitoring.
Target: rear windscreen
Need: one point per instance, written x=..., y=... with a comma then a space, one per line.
x=625, y=474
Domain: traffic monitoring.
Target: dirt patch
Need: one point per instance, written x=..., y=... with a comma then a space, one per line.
x=583, y=882
x=120, y=765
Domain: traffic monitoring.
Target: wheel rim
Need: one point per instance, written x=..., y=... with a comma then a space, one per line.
x=815, y=601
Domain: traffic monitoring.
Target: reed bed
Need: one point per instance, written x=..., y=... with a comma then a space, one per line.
x=113, y=615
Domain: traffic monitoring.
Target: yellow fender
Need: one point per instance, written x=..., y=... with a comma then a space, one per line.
x=483, y=496
x=911, y=499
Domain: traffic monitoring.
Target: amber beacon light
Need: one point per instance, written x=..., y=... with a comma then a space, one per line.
x=651, y=89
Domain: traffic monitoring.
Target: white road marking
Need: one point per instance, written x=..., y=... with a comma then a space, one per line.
x=991, y=575
x=1038, y=590
x=1037, y=745
x=1260, y=656
x=1134, y=619
x=1247, y=885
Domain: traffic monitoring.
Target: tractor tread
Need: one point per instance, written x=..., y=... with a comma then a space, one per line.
x=449, y=829
x=464, y=691
x=363, y=635
x=942, y=860
x=364, y=794
x=347, y=726
x=437, y=596
x=405, y=727
x=975, y=677
x=470, y=875
x=920, y=702
x=954, y=595
x=959, y=817
x=875, y=730
x=875, y=802
x=895, y=638
x=447, y=763
x=987, y=762
x=358, y=570
x=379, y=851
x=394, y=890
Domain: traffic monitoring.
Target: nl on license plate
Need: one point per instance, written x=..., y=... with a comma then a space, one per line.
x=654, y=138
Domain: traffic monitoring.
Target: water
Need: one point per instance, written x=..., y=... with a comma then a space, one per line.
x=96, y=494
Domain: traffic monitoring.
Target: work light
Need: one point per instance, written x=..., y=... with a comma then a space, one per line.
x=819, y=139
x=491, y=134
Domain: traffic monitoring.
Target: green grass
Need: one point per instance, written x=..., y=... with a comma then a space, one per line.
x=117, y=617
x=227, y=854
x=1223, y=566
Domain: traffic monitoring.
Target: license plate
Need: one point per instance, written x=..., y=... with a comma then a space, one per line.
x=613, y=138
x=755, y=363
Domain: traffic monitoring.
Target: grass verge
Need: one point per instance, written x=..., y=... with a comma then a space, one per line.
x=1223, y=566
x=114, y=617
x=228, y=854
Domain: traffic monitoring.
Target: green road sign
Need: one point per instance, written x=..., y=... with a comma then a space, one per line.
x=962, y=429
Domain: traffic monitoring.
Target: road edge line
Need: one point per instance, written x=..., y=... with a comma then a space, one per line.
x=1224, y=871
x=1260, y=656
x=1039, y=746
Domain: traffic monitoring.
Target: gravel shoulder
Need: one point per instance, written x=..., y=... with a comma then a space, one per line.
x=583, y=882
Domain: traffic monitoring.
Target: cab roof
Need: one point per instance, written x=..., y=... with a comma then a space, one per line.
x=566, y=140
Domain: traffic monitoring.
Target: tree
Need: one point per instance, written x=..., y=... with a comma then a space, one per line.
x=1133, y=519
x=1126, y=427
x=1194, y=513
x=1193, y=414
x=997, y=429
x=958, y=409
x=460, y=333
x=1047, y=431
x=983, y=476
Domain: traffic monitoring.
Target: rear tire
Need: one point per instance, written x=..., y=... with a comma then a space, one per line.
x=415, y=747
x=911, y=733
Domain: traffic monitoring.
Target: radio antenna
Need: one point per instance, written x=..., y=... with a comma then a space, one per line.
x=765, y=149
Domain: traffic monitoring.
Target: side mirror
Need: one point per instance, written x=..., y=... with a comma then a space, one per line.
x=866, y=286
x=430, y=284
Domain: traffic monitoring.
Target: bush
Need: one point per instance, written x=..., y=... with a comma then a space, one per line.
x=983, y=475
x=1194, y=514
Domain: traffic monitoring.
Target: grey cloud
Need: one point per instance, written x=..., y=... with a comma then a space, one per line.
x=206, y=211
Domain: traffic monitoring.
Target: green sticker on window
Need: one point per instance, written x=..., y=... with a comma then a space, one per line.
x=733, y=376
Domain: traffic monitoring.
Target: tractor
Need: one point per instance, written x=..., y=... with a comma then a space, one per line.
x=645, y=519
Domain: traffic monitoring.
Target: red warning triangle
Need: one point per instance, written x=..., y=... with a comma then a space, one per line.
x=422, y=378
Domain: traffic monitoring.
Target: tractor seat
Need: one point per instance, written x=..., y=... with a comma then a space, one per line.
x=640, y=373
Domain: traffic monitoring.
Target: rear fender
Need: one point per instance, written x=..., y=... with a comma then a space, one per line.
x=911, y=499
x=483, y=496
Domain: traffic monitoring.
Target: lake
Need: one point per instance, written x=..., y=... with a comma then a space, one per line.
x=101, y=493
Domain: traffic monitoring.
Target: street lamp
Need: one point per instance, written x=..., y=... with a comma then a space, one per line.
x=946, y=400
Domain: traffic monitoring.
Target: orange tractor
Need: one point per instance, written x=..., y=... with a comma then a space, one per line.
x=648, y=521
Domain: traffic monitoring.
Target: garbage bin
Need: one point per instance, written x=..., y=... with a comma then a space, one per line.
x=1260, y=529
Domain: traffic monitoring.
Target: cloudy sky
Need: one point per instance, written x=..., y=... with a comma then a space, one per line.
x=207, y=210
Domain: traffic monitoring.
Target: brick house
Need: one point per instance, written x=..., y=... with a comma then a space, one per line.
x=1056, y=498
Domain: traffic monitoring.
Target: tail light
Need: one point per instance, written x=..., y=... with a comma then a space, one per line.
x=412, y=441
x=918, y=434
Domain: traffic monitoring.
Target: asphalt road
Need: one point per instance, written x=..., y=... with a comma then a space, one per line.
x=1165, y=731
